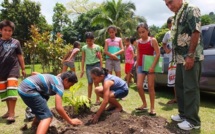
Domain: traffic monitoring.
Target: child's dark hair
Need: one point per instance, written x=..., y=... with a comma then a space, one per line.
x=127, y=39
x=76, y=44
x=70, y=75
x=89, y=35
x=144, y=25
x=8, y=23
x=132, y=40
x=112, y=27
x=169, y=20
x=97, y=71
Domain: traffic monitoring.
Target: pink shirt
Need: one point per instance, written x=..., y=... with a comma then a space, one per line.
x=128, y=55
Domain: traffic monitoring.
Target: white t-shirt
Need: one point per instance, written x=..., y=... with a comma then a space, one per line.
x=166, y=39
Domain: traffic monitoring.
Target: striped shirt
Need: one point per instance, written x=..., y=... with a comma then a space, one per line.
x=41, y=84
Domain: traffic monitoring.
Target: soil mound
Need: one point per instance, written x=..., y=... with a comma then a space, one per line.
x=113, y=123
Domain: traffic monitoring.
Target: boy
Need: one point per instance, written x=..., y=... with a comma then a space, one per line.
x=35, y=91
x=10, y=59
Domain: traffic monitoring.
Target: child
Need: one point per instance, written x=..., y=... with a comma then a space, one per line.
x=91, y=56
x=129, y=59
x=133, y=70
x=69, y=59
x=146, y=46
x=10, y=59
x=167, y=45
x=113, y=48
x=35, y=92
x=112, y=88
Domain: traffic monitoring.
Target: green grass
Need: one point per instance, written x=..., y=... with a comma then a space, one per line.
x=207, y=108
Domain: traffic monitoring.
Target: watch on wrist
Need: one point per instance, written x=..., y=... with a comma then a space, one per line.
x=191, y=55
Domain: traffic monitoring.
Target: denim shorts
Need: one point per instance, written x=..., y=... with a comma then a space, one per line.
x=88, y=69
x=140, y=70
x=38, y=105
x=120, y=93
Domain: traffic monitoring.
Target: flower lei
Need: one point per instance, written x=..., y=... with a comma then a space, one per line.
x=175, y=21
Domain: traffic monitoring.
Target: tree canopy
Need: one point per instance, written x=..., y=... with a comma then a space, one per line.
x=24, y=14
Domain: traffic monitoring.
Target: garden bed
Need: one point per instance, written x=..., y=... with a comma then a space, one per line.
x=113, y=123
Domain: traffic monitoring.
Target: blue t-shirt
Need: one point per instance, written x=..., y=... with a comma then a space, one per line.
x=41, y=84
x=118, y=82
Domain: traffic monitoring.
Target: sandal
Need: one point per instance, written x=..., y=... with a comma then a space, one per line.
x=10, y=119
x=173, y=101
x=141, y=109
x=5, y=116
x=152, y=113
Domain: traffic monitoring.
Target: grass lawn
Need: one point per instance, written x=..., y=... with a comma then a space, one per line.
x=207, y=112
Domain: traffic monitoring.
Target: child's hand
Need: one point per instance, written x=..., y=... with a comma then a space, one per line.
x=94, y=119
x=82, y=73
x=23, y=73
x=75, y=122
x=114, y=57
x=151, y=70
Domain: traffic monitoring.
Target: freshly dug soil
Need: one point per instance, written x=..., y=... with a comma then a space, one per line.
x=113, y=123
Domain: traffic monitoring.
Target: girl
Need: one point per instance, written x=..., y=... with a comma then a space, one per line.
x=113, y=48
x=69, y=59
x=112, y=87
x=91, y=56
x=129, y=59
x=146, y=46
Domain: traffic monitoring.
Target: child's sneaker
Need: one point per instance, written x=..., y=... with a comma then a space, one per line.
x=177, y=118
x=185, y=125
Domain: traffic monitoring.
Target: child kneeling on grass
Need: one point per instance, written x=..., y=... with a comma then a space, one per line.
x=112, y=87
x=35, y=91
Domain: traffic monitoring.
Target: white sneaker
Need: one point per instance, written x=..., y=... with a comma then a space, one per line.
x=177, y=118
x=185, y=125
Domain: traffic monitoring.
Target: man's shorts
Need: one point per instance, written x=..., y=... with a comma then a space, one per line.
x=88, y=69
x=8, y=89
x=113, y=65
x=38, y=105
x=128, y=68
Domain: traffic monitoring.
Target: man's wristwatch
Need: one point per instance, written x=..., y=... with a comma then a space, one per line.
x=191, y=55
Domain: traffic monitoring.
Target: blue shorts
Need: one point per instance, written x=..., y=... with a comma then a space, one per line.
x=88, y=69
x=120, y=93
x=38, y=105
x=140, y=70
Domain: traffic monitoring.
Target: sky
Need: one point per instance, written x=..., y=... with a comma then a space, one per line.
x=155, y=11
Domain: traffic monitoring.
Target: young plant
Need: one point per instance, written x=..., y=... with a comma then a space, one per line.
x=78, y=102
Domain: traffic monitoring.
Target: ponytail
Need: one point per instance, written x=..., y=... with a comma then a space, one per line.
x=99, y=71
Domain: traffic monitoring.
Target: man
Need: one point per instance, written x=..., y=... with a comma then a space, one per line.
x=188, y=54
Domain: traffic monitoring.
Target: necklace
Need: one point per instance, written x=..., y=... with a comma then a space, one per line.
x=175, y=22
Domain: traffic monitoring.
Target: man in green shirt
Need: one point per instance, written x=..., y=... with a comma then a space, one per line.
x=188, y=54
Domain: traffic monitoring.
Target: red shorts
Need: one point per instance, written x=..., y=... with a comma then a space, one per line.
x=128, y=67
